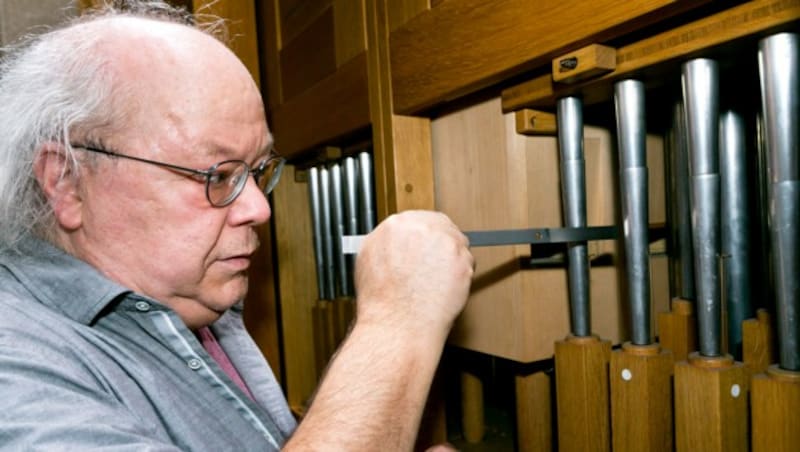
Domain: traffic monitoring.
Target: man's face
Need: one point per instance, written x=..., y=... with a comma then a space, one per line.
x=153, y=229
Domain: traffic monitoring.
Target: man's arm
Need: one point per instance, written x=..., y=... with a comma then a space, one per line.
x=412, y=279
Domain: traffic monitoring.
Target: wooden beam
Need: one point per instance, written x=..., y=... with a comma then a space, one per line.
x=751, y=18
x=334, y=107
x=460, y=46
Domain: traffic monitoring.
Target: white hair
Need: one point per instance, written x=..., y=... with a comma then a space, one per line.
x=54, y=87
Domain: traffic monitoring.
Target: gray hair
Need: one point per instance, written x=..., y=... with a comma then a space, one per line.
x=53, y=87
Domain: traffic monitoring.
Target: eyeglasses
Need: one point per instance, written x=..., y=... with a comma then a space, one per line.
x=225, y=180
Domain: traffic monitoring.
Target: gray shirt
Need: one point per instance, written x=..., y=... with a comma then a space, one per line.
x=87, y=364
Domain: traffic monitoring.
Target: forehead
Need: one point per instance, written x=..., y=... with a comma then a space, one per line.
x=190, y=93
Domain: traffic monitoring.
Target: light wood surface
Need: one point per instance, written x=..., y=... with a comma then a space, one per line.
x=677, y=329
x=669, y=47
x=534, y=412
x=460, y=46
x=775, y=400
x=583, y=63
x=582, y=393
x=641, y=398
x=711, y=405
x=758, y=343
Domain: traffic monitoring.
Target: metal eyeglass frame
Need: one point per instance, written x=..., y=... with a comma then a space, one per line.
x=207, y=174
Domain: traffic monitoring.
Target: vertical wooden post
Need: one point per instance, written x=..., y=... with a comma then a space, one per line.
x=582, y=394
x=641, y=398
x=678, y=329
x=472, y=418
x=775, y=401
x=403, y=162
x=711, y=404
x=534, y=413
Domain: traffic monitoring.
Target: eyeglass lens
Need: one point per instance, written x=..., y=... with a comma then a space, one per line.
x=228, y=179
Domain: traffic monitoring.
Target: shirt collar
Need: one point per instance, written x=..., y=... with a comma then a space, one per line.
x=60, y=280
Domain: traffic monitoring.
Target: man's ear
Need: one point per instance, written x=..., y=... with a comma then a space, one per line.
x=59, y=181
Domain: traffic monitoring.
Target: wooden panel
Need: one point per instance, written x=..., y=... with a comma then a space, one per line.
x=309, y=57
x=666, y=48
x=401, y=11
x=463, y=45
x=270, y=38
x=298, y=292
x=296, y=15
x=240, y=18
x=350, y=32
x=333, y=107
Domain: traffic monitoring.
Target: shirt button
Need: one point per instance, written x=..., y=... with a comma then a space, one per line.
x=194, y=364
x=142, y=306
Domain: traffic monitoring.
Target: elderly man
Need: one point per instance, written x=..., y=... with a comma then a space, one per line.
x=127, y=215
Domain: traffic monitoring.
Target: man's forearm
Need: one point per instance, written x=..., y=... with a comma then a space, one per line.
x=374, y=392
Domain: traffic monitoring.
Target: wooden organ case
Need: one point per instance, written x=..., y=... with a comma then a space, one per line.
x=466, y=106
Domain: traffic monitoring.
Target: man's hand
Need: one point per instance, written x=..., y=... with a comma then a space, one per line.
x=412, y=280
x=414, y=270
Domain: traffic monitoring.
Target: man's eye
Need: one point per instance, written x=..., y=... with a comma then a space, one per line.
x=218, y=177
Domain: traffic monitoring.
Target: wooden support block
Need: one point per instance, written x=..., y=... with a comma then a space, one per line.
x=534, y=122
x=758, y=347
x=582, y=394
x=584, y=63
x=677, y=329
x=472, y=407
x=711, y=404
x=641, y=398
x=775, y=401
x=534, y=413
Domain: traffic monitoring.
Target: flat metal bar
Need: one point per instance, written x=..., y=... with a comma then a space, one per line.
x=352, y=243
